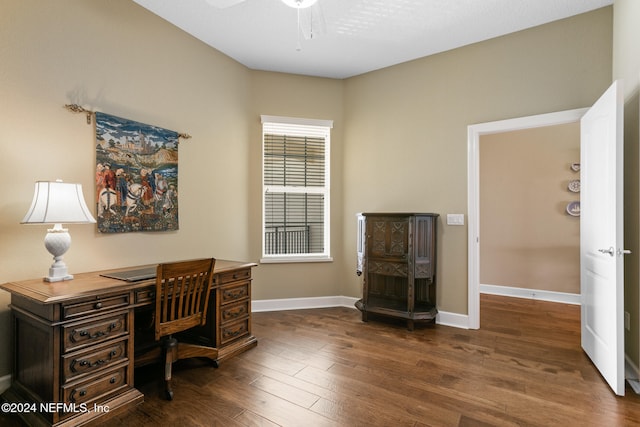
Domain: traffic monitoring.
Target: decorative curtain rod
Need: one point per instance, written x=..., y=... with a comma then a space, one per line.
x=75, y=108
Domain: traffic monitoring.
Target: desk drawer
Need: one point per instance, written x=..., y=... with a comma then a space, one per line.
x=231, y=331
x=93, y=359
x=232, y=312
x=145, y=295
x=232, y=276
x=97, y=387
x=229, y=294
x=95, y=305
x=79, y=334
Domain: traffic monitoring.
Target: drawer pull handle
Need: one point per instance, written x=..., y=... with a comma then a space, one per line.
x=98, y=305
x=83, y=392
x=92, y=336
x=85, y=333
x=98, y=362
x=112, y=380
x=233, y=295
x=94, y=364
x=238, y=313
x=235, y=333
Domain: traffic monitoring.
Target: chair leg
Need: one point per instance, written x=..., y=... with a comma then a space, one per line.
x=169, y=347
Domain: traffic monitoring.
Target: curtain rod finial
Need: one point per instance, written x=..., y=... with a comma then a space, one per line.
x=75, y=108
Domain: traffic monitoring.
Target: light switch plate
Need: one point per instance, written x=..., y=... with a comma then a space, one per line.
x=455, y=219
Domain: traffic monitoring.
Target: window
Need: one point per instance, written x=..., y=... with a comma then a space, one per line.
x=295, y=179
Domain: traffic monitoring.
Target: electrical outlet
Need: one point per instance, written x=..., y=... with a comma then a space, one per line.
x=627, y=321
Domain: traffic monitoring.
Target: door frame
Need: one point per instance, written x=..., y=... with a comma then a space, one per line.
x=474, y=132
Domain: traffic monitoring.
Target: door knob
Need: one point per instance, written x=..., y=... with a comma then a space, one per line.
x=611, y=251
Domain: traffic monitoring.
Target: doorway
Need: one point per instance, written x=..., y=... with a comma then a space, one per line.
x=473, y=176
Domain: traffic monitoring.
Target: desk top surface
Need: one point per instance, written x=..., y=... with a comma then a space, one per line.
x=92, y=284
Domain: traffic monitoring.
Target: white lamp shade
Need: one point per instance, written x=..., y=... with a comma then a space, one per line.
x=299, y=4
x=56, y=203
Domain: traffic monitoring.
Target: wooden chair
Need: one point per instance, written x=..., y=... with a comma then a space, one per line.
x=182, y=299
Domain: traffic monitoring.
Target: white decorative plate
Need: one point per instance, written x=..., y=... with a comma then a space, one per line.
x=574, y=186
x=573, y=208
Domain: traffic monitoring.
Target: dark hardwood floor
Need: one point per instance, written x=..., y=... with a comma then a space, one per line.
x=325, y=367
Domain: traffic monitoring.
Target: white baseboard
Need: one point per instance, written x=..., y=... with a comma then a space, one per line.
x=536, y=294
x=452, y=319
x=5, y=383
x=443, y=318
x=631, y=371
x=302, y=303
x=631, y=374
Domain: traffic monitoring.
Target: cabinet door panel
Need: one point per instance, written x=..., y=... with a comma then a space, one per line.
x=424, y=247
x=388, y=238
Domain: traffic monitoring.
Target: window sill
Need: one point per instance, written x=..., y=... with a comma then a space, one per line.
x=291, y=259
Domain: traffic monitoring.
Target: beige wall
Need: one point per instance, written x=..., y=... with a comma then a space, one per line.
x=528, y=239
x=406, y=133
x=626, y=66
x=399, y=141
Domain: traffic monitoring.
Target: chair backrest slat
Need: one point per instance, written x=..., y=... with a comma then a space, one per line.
x=182, y=295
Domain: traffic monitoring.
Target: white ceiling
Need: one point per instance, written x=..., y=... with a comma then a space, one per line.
x=343, y=38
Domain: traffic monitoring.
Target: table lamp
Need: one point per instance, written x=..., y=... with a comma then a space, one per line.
x=56, y=203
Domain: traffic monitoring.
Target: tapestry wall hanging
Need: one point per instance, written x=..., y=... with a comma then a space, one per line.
x=136, y=176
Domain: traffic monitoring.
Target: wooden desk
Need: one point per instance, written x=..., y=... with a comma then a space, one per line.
x=74, y=352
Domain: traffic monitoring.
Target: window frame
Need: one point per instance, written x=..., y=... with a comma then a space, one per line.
x=298, y=127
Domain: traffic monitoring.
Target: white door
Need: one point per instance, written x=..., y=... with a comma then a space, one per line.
x=601, y=236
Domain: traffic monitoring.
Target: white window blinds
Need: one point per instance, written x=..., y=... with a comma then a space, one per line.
x=296, y=187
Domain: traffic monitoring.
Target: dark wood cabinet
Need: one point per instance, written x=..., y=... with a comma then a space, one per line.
x=397, y=258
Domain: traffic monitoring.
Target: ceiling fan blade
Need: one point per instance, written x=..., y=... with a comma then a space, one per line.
x=223, y=4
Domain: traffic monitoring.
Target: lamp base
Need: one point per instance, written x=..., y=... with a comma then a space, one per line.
x=58, y=278
x=58, y=272
x=57, y=243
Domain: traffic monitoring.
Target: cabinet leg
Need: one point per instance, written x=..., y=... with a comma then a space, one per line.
x=410, y=325
x=365, y=318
